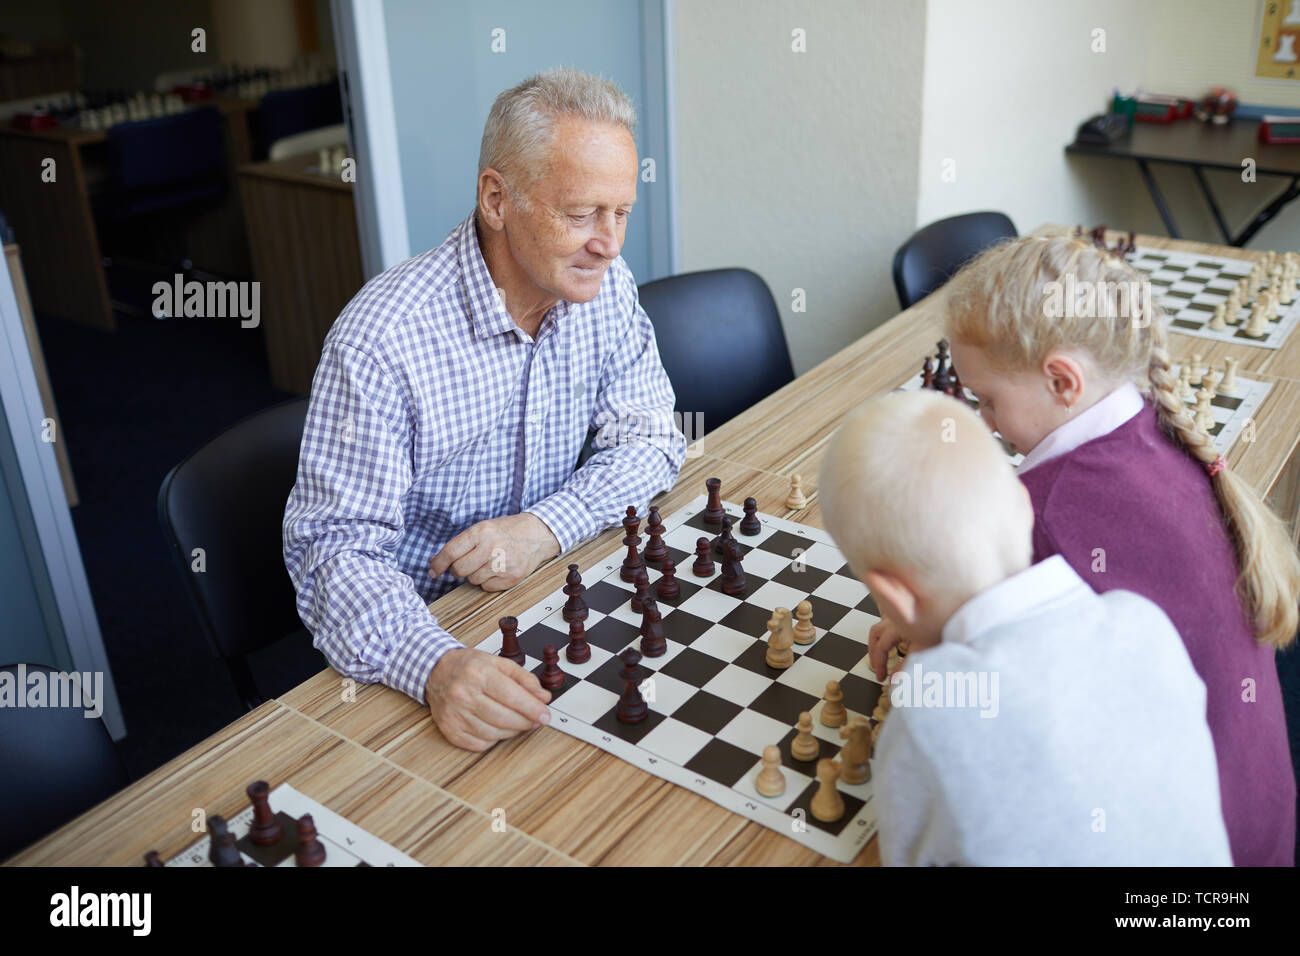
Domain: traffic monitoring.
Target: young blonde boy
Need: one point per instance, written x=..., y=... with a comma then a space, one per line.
x=1034, y=721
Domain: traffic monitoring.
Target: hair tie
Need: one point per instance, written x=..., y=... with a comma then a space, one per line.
x=1216, y=466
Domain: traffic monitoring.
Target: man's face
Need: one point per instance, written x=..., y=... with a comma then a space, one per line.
x=578, y=218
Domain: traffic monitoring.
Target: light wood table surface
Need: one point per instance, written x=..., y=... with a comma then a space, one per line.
x=380, y=761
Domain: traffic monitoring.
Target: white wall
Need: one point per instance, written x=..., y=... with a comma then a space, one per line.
x=800, y=166
x=1007, y=83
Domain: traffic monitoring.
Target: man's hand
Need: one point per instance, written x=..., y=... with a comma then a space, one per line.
x=477, y=698
x=497, y=554
x=884, y=635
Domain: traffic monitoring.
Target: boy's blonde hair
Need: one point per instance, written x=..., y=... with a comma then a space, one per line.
x=914, y=482
x=1007, y=303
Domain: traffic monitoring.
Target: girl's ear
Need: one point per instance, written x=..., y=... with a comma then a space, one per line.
x=1066, y=377
x=893, y=595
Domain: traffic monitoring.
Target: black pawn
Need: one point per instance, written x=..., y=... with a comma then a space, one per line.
x=721, y=539
x=552, y=677
x=942, y=374
x=310, y=851
x=510, y=648
x=703, y=566
x=642, y=591
x=631, y=708
x=750, y=523
x=668, y=587
x=153, y=859
x=652, y=631
x=575, y=608
x=713, y=513
x=927, y=373
x=578, y=651
x=222, y=850
x=632, y=563
x=655, y=549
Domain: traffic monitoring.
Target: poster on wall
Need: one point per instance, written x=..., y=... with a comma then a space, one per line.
x=1278, y=57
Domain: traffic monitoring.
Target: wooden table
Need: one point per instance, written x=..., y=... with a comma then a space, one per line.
x=302, y=231
x=379, y=761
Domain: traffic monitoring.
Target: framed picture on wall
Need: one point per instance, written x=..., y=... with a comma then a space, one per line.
x=1278, y=56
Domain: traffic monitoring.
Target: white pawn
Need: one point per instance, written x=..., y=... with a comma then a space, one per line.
x=771, y=781
x=796, y=501
x=827, y=805
x=1185, y=391
x=1198, y=369
x=1204, y=412
x=804, y=632
x=1220, y=320
x=804, y=746
x=1228, y=384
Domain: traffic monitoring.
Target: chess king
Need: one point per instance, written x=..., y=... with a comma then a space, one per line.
x=453, y=396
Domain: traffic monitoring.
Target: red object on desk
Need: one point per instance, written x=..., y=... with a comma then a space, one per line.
x=191, y=92
x=34, y=121
x=1279, y=129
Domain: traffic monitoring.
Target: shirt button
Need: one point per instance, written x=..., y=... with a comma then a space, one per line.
x=534, y=419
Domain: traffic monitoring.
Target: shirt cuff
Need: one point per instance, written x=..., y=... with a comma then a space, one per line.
x=413, y=659
x=569, y=519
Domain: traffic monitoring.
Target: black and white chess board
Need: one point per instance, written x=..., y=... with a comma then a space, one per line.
x=346, y=844
x=1233, y=414
x=714, y=703
x=1188, y=286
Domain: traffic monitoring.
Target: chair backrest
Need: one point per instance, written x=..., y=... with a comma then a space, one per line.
x=283, y=113
x=167, y=151
x=55, y=761
x=720, y=339
x=934, y=253
x=310, y=141
x=228, y=499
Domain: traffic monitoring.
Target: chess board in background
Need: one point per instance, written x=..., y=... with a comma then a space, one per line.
x=1231, y=412
x=1188, y=286
x=346, y=844
x=714, y=703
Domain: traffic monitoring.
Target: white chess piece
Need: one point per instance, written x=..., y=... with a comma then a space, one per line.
x=1293, y=18
x=1228, y=384
x=1285, y=48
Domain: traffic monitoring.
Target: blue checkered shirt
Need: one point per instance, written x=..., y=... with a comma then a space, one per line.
x=432, y=410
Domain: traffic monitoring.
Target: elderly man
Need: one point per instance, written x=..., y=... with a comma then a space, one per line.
x=453, y=398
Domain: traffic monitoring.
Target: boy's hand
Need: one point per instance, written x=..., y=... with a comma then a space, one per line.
x=883, y=636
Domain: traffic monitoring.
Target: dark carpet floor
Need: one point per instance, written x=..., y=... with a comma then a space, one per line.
x=133, y=403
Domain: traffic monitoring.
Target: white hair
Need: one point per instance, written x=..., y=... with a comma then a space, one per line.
x=913, y=481
x=520, y=128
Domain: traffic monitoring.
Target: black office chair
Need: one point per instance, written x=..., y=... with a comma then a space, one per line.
x=55, y=762
x=720, y=340
x=934, y=253
x=228, y=499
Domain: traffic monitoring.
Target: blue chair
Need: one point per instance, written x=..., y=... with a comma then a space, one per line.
x=283, y=113
x=720, y=339
x=164, y=163
x=55, y=762
x=934, y=253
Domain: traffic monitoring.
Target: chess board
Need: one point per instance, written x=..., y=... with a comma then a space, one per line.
x=1231, y=412
x=1189, y=285
x=714, y=703
x=346, y=844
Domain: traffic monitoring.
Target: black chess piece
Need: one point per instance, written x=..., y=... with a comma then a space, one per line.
x=655, y=549
x=578, y=651
x=153, y=859
x=510, y=648
x=223, y=851
x=942, y=371
x=668, y=588
x=927, y=373
x=310, y=851
x=713, y=513
x=632, y=707
x=653, y=643
x=750, y=525
x=642, y=589
x=632, y=563
x=266, y=829
x=552, y=677
x=733, y=574
x=575, y=608
x=724, y=537
x=703, y=566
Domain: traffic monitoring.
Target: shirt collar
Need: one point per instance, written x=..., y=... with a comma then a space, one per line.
x=1101, y=419
x=1033, y=590
x=487, y=311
